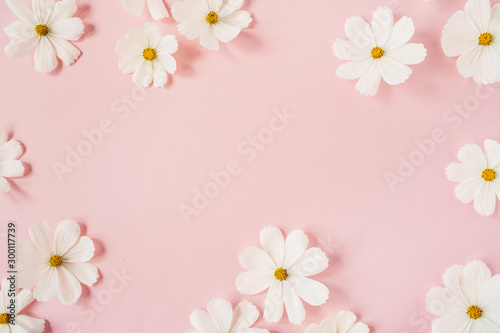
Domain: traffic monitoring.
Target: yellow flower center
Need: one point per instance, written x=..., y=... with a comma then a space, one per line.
x=149, y=54
x=489, y=175
x=474, y=312
x=212, y=17
x=41, y=30
x=55, y=261
x=280, y=274
x=4, y=318
x=377, y=52
x=485, y=39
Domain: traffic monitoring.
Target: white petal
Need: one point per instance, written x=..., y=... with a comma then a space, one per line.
x=473, y=156
x=394, y=72
x=3, y=137
x=312, y=292
x=23, y=12
x=453, y=282
x=408, y=54
x=226, y=32
x=11, y=168
x=28, y=253
x=68, y=28
x=167, y=62
x=255, y=259
x=251, y=283
x=486, y=69
x=273, y=308
x=82, y=251
x=459, y=35
x=494, y=27
x=181, y=12
x=143, y=76
x=456, y=322
x=360, y=328
x=230, y=6
x=14, y=29
x=215, y=5
x=130, y=64
x=345, y=321
x=29, y=274
x=272, y=241
x=347, y=50
x=313, y=261
x=125, y=47
x=221, y=312
x=239, y=19
x=489, y=300
x=295, y=247
x=245, y=315
x=48, y=286
x=42, y=237
x=401, y=33
x=466, y=191
x=475, y=275
x=492, y=152
x=153, y=33
x=134, y=7
x=294, y=307
x=139, y=37
x=168, y=45
x=69, y=286
x=85, y=272
x=484, y=325
x=12, y=150
x=195, y=28
x=480, y=12
x=30, y=324
x=485, y=200
x=458, y=172
x=45, y=56
x=369, y=82
x=382, y=24
x=353, y=70
x=360, y=32
x=202, y=322
x=24, y=298
x=63, y=9
x=21, y=46
x=201, y=7
x=159, y=74
x=65, y=51
x=65, y=237
x=43, y=10
x=209, y=39
x=157, y=9
x=4, y=185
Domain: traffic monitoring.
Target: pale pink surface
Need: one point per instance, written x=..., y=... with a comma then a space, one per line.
x=324, y=173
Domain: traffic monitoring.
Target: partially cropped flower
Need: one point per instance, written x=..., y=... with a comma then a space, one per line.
x=221, y=318
x=57, y=263
x=211, y=20
x=147, y=54
x=342, y=322
x=479, y=176
x=469, y=301
x=156, y=8
x=10, y=166
x=47, y=29
x=379, y=51
x=473, y=35
x=283, y=267
x=11, y=321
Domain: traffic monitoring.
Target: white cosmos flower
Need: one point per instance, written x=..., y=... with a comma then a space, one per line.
x=474, y=36
x=10, y=151
x=283, y=267
x=156, y=8
x=47, y=29
x=342, y=322
x=58, y=263
x=469, y=301
x=479, y=176
x=378, y=51
x=21, y=323
x=147, y=54
x=221, y=318
x=211, y=20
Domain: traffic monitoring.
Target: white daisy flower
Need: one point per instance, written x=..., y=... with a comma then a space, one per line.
x=342, y=322
x=156, y=8
x=47, y=29
x=221, y=318
x=10, y=151
x=378, y=51
x=147, y=54
x=19, y=323
x=479, y=176
x=469, y=301
x=211, y=20
x=283, y=267
x=58, y=263
x=474, y=36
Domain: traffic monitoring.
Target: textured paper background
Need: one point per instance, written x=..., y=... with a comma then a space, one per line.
x=323, y=173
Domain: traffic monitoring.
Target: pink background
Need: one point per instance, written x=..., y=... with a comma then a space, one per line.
x=325, y=173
